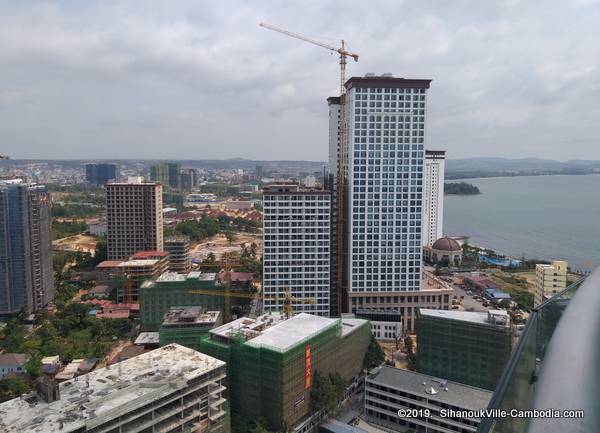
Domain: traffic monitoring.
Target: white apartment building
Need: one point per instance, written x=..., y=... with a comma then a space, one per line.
x=433, y=196
x=550, y=280
x=296, y=225
x=384, y=154
x=134, y=218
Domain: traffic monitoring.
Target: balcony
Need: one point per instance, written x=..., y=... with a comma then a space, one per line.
x=555, y=365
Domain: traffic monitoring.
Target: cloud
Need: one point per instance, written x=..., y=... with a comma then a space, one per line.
x=192, y=79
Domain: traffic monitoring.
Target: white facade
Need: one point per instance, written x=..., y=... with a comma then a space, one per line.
x=310, y=181
x=433, y=196
x=384, y=148
x=296, y=225
x=550, y=280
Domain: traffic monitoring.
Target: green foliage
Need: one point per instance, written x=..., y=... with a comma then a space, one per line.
x=327, y=391
x=461, y=188
x=375, y=355
x=239, y=425
x=73, y=210
x=207, y=227
x=64, y=229
x=220, y=189
x=12, y=388
x=198, y=230
x=410, y=354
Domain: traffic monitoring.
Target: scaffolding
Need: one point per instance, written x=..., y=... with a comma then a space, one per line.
x=274, y=383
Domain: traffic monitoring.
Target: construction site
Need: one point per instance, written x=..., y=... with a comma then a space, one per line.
x=166, y=390
x=272, y=361
x=187, y=325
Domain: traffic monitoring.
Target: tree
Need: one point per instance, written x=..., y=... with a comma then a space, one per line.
x=375, y=355
x=230, y=236
x=410, y=355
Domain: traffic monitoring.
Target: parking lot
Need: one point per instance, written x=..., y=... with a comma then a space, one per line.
x=468, y=303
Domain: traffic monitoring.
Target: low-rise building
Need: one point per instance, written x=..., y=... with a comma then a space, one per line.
x=444, y=252
x=467, y=347
x=427, y=402
x=172, y=388
x=272, y=361
x=187, y=325
x=386, y=324
x=12, y=363
x=550, y=280
x=51, y=364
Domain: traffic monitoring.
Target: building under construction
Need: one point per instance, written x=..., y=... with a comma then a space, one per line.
x=169, y=389
x=272, y=361
x=174, y=290
x=187, y=325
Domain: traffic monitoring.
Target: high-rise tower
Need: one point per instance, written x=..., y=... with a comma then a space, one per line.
x=433, y=196
x=384, y=164
x=134, y=218
x=26, y=280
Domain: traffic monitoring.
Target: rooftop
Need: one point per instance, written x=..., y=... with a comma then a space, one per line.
x=177, y=316
x=109, y=392
x=138, y=262
x=294, y=330
x=109, y=264
x=13, y=359
x=147, y=338
x=173, y=276
x=453, y=393
x=247, y=326
x=465, y=316
x=148, y=255
x=387, y=81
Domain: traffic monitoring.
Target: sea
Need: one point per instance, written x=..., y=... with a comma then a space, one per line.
x=539, y=217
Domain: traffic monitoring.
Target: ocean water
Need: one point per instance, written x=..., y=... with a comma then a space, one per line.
x=545, y=217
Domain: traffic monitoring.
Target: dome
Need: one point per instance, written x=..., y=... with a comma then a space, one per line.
x=446, y=244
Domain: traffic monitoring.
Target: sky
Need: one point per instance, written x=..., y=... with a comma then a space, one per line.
x=196, y=79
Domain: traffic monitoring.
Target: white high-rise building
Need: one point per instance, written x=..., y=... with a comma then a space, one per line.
x=433, y=196
x=384, y=164
x=296, y=225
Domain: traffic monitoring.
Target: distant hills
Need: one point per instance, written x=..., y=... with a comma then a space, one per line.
x=495, y=167
x=455, y=168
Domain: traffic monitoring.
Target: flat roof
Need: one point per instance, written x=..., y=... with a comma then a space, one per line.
x=192, y=315
x=294, y=330
x=147, y=338
x=247, y=326
x=138, y=262
x=196, y=275
x=106, y=393
x=387, y=82
x=350, y=325
x=457, y=394
x=463, y=316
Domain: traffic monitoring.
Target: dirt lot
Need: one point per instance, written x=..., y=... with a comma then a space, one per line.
x=85, y=243
x=218, y=245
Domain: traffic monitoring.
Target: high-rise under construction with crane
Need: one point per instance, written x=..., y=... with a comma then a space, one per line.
x=382, y=152
x=376, y=170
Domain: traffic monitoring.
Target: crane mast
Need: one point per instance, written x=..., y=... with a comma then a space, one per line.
x=342, y=304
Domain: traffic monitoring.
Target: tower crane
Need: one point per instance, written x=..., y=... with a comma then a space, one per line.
x=344, y=54
x=287, y=299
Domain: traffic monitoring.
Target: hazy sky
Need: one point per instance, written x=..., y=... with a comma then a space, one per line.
x=199, y=79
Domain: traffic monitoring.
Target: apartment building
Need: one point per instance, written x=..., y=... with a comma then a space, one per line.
x=550, y=280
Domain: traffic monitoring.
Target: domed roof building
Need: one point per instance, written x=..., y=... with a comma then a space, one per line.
x=445, y=251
